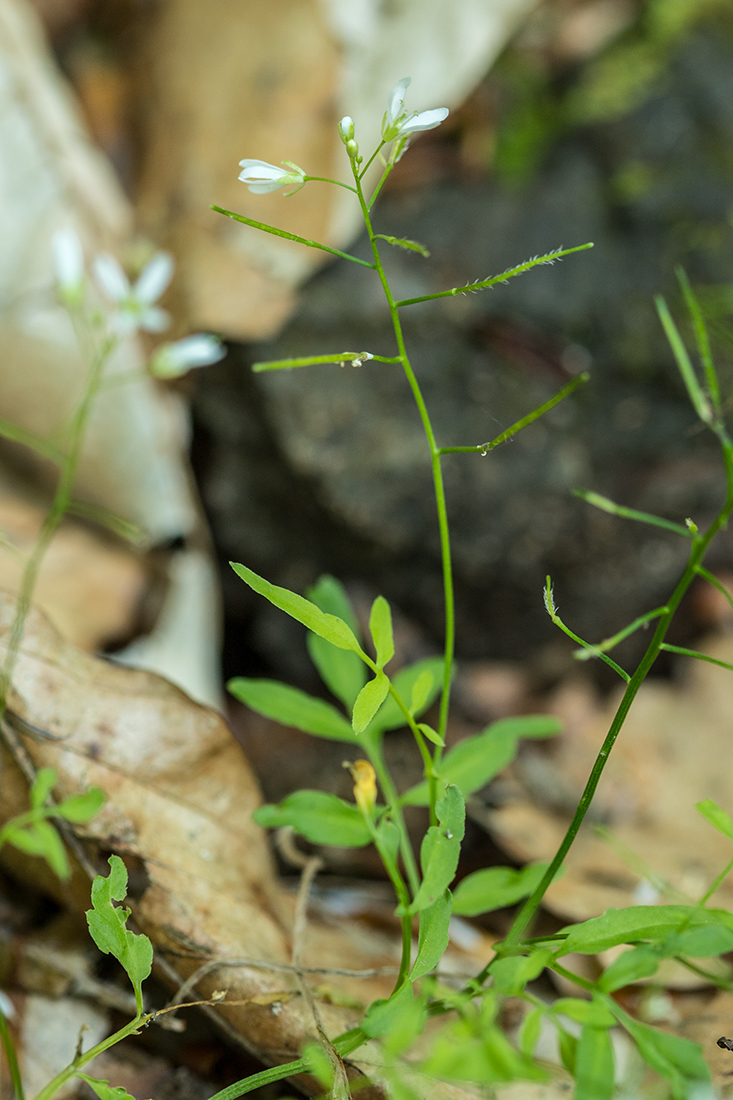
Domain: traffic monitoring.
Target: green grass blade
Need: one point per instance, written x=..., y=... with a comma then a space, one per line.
x=699, y=401
x=587, y=652
x=701, y=336
x=694, y=653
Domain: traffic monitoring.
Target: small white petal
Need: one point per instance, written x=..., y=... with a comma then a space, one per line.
x=397, y=100
x=173, y=360
x=264, y=188
x=426, y=120
x=154, y=319
x=68, y=259
x=154, y=278
x=111, y=278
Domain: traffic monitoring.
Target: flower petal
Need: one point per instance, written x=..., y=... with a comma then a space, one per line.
x=154, y=319
x=68, y=260
x=426, y=120
x=110, y=277
x=154, y=278
x=199, y=350
x=397, y=100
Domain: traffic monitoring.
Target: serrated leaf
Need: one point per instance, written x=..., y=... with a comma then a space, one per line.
x=594, y=1069
x=320, y=817
x=440, y=849
x=433, y=936
x=107, y=926
x=341, y=670
x=81, y=808
x=368, y=702
x=494, y=888
x=330, y=627
x=474, y=761
x=404, y=242
x=510, y=975
x=41, y=787
x=292, y=707
x=638, y=922
x=718, y=818
x=380, y=628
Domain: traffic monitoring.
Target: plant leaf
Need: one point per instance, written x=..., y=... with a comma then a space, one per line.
x=590, y=1013
x=42, y=787
x=433, y=936
x=104, y=1090
x=341, y=670
x=631, y=966
x=494, y=888
x=430, y=733
x=404, y=242
x=440, y=849
x=368, y=701
x=594, y=1070
x=678, y=1060
x=320, y=817
x=292, y=707
x=421, y=691
x=512, y=974
x=718, y=818
x=40, y=838
x=475, y=760
x=390, y=717
x=330, y=627
x=107, y=925
x=81, y=808
x=380, y=628
x=638, y=922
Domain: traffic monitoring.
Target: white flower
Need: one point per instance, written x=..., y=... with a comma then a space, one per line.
x=261, y=177
x=135, y=304
x=68, y=262
x=398, y=124
x=173, y=360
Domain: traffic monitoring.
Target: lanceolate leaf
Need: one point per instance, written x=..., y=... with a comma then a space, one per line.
x=368, y=701
x=390, y=717
x=674, y=1058
x=343, y=672
x=330, y=627
x=495, y=888
x=476, y=760
x=440, y=849
x=639, y=922
x=718, y=818
x=433, y=936
x=320, y=817
x=292, y=707
x=594, y=1070
x=380, y=628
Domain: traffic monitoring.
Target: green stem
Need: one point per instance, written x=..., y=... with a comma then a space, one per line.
x=395, y=811
x=9, y=1048
x=59, y=507
x=699, y=547
x=439, y=494
x=290, y=236
x=326, y=179
x=83, y=1059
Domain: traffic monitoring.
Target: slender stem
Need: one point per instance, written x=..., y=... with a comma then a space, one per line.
x=57, y=511
x=715, y=885
x=325, y=179
x=9, y=1048
x=374, y=753
x=439, y=493
x=290, y=236
x=372, y=158
x=699, y=547
x=66, y=1074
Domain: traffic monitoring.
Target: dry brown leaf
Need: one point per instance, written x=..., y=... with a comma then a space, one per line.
x=90, y=587
x=180, y=799
x=671, y=754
